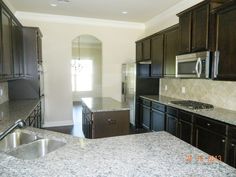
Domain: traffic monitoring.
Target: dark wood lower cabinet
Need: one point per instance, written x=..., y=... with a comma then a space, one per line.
x=146, y=116
x=231, y=159
x=35, y=117
x=211, y=143
x=157, y=120
x=172, y=124
x=186, y=131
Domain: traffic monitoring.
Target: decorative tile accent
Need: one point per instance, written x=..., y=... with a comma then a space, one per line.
x=3, y=92
x=219, y=93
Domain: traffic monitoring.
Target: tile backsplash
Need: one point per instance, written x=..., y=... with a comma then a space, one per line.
x=219, y=93
x=3, y=92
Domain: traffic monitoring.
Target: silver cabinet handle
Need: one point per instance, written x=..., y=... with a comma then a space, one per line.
x=208, y=124
x=223, y=141
x=232, y=145
x=216, y=63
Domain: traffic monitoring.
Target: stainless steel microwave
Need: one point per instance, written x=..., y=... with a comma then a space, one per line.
x=194, y=65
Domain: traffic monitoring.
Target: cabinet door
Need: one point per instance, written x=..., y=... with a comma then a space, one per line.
x=157, y=54
x=170, y=51
x=139, y=51
x=146, y=115
x=17, y=48
x=185, y=131
x=7, y=45
x=185, y=32
x=146, y=49
x=200, y=24
x=157, y=120
x=172, y=125
x=231, y=160
x=226, y=37
x=211, y=143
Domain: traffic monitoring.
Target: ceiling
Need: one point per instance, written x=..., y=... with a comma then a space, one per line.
x=138, y=10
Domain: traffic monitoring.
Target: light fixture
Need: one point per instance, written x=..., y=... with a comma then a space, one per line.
x=124, y=12
x=53, y=4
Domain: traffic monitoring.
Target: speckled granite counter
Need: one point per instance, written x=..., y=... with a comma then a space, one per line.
x=98, y=104
x=223, y=115
x=144, y=155
x=11, y=111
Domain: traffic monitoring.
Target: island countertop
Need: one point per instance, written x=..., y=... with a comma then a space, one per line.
x=145, y=155
x=98, y=104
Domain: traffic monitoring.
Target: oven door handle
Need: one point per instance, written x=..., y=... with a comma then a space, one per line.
x=199, y=67
x=196, y=67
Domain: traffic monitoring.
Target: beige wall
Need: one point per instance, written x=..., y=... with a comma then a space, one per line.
x=118, y=47
x=219, y=93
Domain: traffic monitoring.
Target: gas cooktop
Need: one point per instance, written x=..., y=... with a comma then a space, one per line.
x=194, y=105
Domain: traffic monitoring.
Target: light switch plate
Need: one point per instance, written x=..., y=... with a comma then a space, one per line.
x=183, y=90
x=166, y=88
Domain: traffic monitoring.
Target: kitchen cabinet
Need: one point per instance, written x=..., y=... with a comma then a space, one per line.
x=225, y=63
x=157, y=117
x=210, y=137
x=7, y=62
x=185, y=32
x=139, y=51
x=170, y=51
x=147, y=49
x=17, y=49
x=231, y=150
x=146, y=114
x=195, y=27
x=186, y=127
x=35, y=119
x=157, y=55
x=172, y=120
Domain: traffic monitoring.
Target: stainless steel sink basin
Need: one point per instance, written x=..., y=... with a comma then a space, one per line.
x=36, y=149
x=16, y=139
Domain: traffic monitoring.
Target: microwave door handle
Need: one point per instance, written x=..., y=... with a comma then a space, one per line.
x=196, y=68
x=200, y=67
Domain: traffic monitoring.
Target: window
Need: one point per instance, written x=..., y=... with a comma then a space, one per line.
x=82, y=74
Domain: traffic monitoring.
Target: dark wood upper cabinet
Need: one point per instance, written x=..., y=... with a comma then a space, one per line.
x=170, y=51
x=7, y=62
x=185, y=32
x=157, y=55
x=200, y=25
x=225, y=62
x=147, y=49
x=195, y=27
x=139, y=51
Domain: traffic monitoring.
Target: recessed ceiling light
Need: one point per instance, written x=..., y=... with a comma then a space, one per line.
x=53, y=4
x=124, y=12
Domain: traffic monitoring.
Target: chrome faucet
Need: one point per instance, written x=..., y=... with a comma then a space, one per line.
x=18, y=124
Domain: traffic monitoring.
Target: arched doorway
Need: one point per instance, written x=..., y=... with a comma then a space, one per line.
x=86, y=71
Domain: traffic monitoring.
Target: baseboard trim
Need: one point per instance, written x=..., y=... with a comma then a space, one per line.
x=58, y=123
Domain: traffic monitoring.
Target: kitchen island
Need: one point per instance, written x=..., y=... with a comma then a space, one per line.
x=144, y=155
x=104, y=117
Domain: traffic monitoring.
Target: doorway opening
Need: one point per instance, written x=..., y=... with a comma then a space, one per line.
x=86, y=73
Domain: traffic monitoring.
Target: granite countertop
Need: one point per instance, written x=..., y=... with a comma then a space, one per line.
x=220, y=114
x=148, y=154
x=11, y=111
x=101, y=104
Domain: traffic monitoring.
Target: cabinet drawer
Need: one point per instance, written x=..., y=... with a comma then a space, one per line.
x=185, y=116
x=172, y=111
x=232, y=131
x=211, y=125
x=158, y=106
x=146, y=102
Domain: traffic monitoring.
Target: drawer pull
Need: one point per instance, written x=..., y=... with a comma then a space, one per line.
x=111, y=121
x=208, y=124
x=232, y=145
x=223, y=141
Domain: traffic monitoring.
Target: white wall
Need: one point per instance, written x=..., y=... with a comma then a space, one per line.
x=118, y=43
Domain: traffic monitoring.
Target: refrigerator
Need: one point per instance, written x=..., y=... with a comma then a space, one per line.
x=129, y=88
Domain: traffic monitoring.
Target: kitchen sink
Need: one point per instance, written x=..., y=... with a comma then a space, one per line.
x=36, y=149
x=16, y=139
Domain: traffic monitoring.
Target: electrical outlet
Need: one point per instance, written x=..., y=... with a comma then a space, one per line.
x=166, y=88
x=183, y=90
